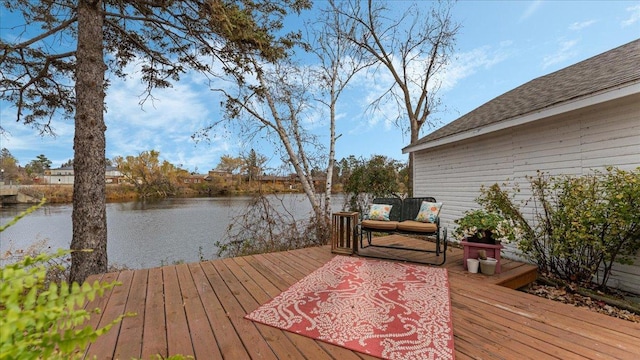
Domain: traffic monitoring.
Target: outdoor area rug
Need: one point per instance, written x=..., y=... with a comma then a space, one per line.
x=386, y=309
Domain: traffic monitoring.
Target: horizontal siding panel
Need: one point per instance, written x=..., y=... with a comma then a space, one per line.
x=629, y=162
x=609, y=136
x=610, y=157
x=552, y=167
x=551, y=138
x=622, y=116
x=625, y=277
x=619, y=143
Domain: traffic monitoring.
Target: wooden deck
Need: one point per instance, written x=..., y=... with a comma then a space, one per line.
x=197, y=309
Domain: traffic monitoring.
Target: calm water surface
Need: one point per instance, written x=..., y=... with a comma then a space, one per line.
x=143, y=235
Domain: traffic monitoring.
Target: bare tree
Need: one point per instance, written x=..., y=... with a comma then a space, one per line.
x=338, y=64
x=57, y=61
x=278, y=100
x=413, y=48
x=273, y=106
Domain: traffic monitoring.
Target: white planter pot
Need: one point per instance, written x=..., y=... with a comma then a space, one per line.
x=472, y=265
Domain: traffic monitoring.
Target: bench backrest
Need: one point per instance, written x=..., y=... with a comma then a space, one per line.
x=406, y=209
x=396, y=210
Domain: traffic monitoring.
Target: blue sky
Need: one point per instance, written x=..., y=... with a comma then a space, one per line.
x=501, y=45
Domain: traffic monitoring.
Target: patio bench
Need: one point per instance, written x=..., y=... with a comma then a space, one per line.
x=402, y=220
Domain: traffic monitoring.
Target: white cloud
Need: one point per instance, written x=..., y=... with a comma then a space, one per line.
x=634, y=16
x=577, y=26
x=164, y=122
x=530, y=10
x=566, y=51
x=468, y=63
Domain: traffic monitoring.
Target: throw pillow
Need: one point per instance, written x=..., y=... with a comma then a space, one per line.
x=379, y=212
x=428, y=212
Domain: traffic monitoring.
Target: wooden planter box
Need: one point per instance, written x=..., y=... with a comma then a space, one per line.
x=344, y=228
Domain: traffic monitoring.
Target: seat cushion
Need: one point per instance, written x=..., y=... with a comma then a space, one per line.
x=417, y=226
x=379, y=225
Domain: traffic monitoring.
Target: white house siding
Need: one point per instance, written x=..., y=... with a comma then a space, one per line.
x=59, y=177
x=571, y=143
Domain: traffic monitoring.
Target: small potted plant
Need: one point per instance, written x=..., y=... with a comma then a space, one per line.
x=485, y=227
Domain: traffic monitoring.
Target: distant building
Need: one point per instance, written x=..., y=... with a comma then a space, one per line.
x=64, y=175
x=194, y=179
x=59, y=176
x=220, y=177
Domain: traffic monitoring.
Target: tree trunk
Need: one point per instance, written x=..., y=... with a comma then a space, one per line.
x=415, y=135
x=89, y=204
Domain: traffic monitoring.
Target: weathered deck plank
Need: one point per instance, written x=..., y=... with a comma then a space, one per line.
x=253, y=341
x=178, y=339
x=281, y=346
x=114, y=307
x=198, y=309
x=225, y=335
x=154, y=331
x=132, y=327
x=198, y=322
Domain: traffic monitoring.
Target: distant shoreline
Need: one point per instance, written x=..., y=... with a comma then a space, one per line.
x=63, y=194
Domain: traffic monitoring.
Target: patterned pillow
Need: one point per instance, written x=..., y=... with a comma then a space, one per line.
x=428, y=212
x=379, y=212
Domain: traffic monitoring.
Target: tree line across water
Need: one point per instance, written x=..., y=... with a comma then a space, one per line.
x=146, y=176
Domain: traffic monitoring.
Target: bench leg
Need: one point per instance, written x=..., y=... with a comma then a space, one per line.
x=362, y=235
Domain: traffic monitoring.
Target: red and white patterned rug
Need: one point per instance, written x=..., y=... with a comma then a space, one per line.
x=385, y=309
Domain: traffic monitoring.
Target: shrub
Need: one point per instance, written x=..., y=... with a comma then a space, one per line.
x=580, y=226
x=42, y=319
x=264, y=227
x=44, y=322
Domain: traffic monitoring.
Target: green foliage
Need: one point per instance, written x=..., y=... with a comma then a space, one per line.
x=150, y=176
x=44, y=322
x=38, y=165
x=377, y=177
x=580, y=226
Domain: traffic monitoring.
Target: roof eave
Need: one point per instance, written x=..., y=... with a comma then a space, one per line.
x=592, y=99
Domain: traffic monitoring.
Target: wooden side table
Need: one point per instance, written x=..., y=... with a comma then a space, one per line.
x=471, y=252
x=344, y=228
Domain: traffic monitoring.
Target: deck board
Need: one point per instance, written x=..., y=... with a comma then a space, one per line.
x=226, y=338
x=115, y=307
x=252, y=339
x=198, y=309
x=132, y=327
x=154, y=331
x=178, y=338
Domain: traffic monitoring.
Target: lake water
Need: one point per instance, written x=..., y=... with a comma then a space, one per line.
x=144, y=234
